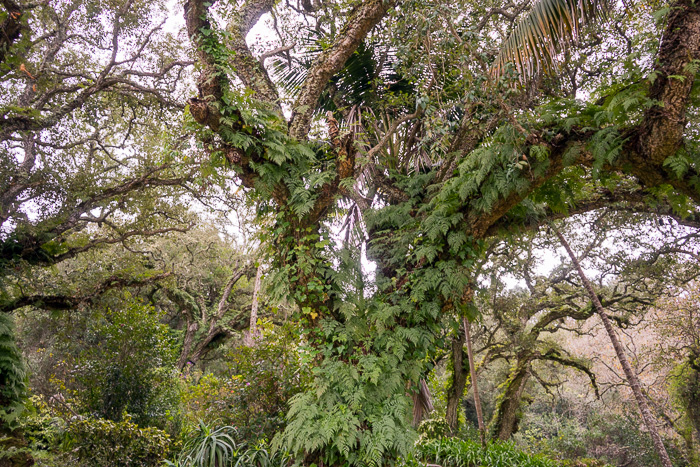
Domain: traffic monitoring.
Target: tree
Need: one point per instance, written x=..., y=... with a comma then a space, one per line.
x=634, y=270
x=198, y=282
x=629, y=372
x=128, y=369
x=475, y=388
x=681, y=319
x=83, y=116
x=88, y=91
x=425, y=172
x=497, y=158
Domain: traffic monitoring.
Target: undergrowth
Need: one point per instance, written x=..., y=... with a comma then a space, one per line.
x=452, y=452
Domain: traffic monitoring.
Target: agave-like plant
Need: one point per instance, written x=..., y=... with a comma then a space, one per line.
x=533, y=45
x=210, y=447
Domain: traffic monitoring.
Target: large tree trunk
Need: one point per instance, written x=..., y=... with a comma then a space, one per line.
x=459, y=380
x=475, y=386
x=626, y=367
x=505, y=419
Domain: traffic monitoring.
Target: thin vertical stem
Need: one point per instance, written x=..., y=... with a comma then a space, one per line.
x=253, y=330
x=629, y=373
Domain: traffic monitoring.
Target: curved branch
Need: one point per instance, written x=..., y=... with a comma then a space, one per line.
x=69, y=302
x=362, y=19
x=248, y=69
x=554, y=356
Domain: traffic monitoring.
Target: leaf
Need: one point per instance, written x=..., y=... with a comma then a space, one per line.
x=533, y=46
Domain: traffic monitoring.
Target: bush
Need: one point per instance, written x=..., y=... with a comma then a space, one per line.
x=254, y=396
x=207, y=446
x=433, y=428
x=99, y=442
x=129, y=367
x=451, y=452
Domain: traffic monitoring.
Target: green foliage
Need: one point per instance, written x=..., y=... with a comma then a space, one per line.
x=534, y=44
x=433, y=428
x=210, y=447
x=43, y=429
x=104, y=443
x=451, y=452
x=685, y=388
x=261, y=380
x=12, y=374
x=608, y=437
x=129, y=366
x=207, y=446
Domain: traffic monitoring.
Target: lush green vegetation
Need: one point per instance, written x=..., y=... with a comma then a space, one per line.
x=349, y=233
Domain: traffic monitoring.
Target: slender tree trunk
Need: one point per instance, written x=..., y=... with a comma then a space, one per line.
x=475, y=387
x=627, y=368
x=253, y=330
x=457, y=383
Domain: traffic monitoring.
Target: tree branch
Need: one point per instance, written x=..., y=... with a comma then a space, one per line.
x=362, y=19
x=69, y=302
x=248, y=69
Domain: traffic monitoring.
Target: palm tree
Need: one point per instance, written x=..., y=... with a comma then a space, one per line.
x=551, y=25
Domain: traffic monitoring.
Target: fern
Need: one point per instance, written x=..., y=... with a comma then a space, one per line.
x=13, y=374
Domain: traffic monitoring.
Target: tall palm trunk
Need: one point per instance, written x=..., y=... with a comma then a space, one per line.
x=475, y=387
x=629, y=373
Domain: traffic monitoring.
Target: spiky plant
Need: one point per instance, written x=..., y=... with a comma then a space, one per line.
x=210, y=447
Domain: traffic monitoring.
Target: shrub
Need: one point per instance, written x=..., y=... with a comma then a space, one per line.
x=129, y=367
x=433, y=428
x=452, y=452
x=100, y=442
x=254, y=396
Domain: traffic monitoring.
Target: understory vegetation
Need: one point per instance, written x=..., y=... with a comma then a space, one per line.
x=257, y=233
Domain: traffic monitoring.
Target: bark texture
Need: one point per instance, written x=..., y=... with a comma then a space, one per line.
x=505, y=418
x=455, y=391
x=365, y=16
x=422, y=403
x=475, y=386
x=253, y=328
x=248, y=69
x=661, y=134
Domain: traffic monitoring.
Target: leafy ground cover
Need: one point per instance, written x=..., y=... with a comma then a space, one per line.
x=453, y=452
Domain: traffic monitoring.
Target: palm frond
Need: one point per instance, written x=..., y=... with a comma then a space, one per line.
x=357, y=84
x=533, y=45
